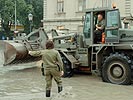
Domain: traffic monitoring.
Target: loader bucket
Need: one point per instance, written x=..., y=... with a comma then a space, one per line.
x=15, y=53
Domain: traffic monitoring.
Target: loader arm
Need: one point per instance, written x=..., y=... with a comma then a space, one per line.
x=36, y=40
x=16, y=52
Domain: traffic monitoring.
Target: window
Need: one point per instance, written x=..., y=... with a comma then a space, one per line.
x=112, y=18
x=81, y=5
x=60, y=6
x=112, y=33
x=87, y=26
x=112, y=29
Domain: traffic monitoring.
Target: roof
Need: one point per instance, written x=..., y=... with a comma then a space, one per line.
x=98, y=9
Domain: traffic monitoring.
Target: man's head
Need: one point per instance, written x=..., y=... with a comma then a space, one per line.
x=49, y=44
x=100, y=17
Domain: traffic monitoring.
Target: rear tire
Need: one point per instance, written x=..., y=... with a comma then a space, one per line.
x=116, y=69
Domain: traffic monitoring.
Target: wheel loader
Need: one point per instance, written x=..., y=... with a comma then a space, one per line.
x=16, y=51
x=111, y=57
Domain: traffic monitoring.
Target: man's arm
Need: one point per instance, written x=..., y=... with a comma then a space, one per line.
x=102, y=26
x=35, y=53
x=99, y=28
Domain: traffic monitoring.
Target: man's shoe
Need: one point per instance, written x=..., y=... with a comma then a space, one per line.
x=48, y=93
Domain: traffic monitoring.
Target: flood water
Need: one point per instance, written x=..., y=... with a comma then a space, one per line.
x=25, y=82
x=19, y=80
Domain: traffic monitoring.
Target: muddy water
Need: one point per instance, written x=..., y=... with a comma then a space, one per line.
x=26, y=83
x=19, y=80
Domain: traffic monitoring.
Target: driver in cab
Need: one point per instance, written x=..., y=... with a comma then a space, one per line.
x=100, y=26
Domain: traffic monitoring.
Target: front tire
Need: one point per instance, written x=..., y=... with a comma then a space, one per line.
x=116, y=69
x=68, y=71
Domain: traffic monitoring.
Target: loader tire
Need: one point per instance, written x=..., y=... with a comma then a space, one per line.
x=116, y=69
x=68, y=72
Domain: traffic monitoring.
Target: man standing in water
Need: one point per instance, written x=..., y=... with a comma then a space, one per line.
x=53, y=66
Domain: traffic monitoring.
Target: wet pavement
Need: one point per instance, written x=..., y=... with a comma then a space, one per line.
x=26, y=83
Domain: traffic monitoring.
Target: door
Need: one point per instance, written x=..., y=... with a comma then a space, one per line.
x=87, y=29
x=112, y=26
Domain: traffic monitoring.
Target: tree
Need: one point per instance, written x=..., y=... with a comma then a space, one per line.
x=24, y=7
x=37, y=12
x=7, y=11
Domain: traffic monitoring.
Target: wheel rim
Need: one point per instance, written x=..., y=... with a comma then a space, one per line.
x=116, y=73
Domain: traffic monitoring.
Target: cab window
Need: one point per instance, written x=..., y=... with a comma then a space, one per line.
x=112, y=33
x=112, y=19
x=112, y=26
x=87, y=26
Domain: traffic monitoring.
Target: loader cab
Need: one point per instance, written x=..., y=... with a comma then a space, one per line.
x=112, y=25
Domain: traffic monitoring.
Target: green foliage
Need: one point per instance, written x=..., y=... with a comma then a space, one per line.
x=6, y=11
x=37, y=12
x=24, y=7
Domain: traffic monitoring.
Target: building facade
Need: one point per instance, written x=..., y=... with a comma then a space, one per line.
x=68, y=14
